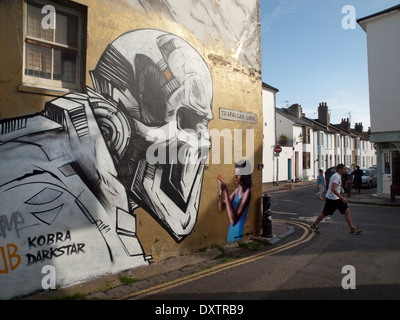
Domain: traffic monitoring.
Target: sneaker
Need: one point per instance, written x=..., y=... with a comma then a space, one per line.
x=355, y=231
x=314, y=228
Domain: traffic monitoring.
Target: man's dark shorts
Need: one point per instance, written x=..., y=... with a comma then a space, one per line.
x=332, y=205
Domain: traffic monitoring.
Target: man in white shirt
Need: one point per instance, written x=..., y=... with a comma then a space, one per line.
x=334, y=200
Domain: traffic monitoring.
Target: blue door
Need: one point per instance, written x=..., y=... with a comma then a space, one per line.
x=289, y=165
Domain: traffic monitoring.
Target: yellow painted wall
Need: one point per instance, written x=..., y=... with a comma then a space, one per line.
x=235, y=86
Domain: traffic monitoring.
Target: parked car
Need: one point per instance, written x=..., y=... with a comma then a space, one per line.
x=375, y=168
x=369, y=178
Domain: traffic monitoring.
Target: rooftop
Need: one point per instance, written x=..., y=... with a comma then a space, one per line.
x=362, y=21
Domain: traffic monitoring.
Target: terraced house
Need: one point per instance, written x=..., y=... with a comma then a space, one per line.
x=383, y=47
x=313, y=144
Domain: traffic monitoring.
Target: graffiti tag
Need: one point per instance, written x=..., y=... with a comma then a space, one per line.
x=8, y=225
x=49, y=239
x=14, y=259
x=50, y=253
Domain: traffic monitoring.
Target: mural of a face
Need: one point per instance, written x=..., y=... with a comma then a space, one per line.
x=157, y=80
x=72, y=175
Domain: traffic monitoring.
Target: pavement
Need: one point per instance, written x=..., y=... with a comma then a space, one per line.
x=370, y=197
x=115, y=286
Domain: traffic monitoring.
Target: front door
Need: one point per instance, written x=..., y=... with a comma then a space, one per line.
x=387, y=172
x=289, y=164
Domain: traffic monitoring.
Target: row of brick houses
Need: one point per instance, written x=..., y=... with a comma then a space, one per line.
x=310, y=144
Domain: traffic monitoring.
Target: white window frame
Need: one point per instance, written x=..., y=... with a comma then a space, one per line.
x=32, y=81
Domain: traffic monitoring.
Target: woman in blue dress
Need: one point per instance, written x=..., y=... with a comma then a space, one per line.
x=237, y=204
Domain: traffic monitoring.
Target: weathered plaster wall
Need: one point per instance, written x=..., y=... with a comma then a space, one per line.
x=95, y=216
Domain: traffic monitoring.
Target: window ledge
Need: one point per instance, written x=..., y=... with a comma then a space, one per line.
x=44, y=91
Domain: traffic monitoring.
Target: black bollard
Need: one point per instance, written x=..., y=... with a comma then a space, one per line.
x=267, y=218
x=392, y=193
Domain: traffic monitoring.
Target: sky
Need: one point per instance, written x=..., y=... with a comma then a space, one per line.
x=310, y=58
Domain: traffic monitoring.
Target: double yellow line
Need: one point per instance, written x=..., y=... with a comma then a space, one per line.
x=305, y=237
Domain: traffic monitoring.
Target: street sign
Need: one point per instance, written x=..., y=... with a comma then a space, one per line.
x=278, y=149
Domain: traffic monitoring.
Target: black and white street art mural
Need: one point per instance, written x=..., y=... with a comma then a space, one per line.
x=72, y=176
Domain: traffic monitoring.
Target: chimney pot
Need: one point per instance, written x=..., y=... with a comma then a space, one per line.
x=323, y=113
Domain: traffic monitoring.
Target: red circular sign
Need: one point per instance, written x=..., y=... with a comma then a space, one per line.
x=278, y=149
